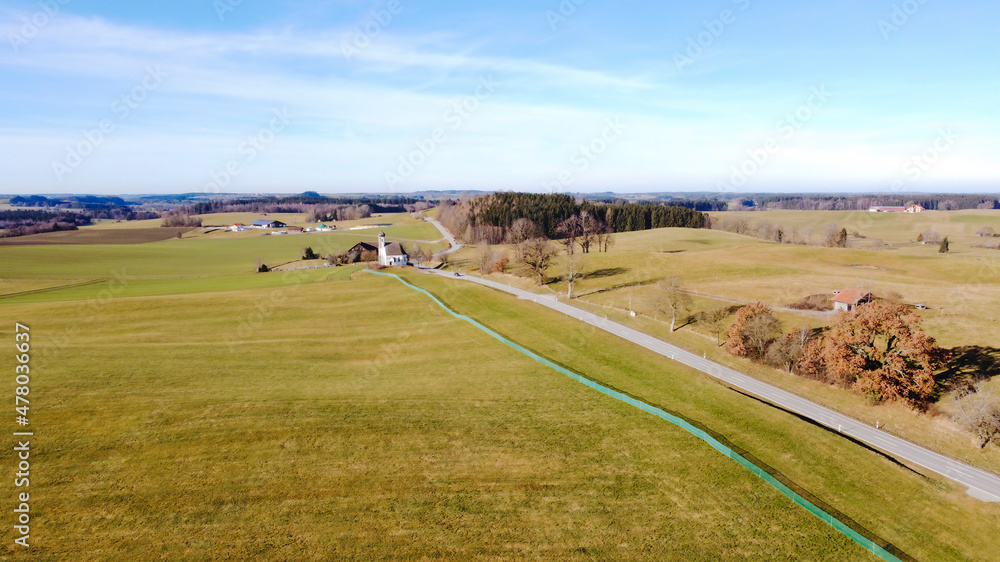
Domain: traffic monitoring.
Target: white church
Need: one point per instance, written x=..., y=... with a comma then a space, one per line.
x=391, y=253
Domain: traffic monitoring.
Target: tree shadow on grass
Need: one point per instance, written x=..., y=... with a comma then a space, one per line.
x=606, y=272
x=968, y=365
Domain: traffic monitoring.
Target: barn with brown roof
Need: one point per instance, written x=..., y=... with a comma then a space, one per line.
x=848, y=299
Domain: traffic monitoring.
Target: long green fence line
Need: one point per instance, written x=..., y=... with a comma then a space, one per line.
x=765, y=475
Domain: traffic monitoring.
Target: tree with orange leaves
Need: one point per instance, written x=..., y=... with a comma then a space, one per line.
x=753, y=330
x=879, y=350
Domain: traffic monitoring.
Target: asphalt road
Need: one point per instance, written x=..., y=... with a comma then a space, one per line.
x=455, y=246
x=981, y=484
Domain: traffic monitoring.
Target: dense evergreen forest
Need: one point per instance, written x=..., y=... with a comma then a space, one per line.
x=490, y=218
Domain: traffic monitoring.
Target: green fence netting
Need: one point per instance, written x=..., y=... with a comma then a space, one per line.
x=832, y=517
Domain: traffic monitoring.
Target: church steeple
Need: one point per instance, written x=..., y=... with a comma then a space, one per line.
x=381, y=241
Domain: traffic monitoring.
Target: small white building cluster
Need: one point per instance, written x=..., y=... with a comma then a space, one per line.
x=910, y=209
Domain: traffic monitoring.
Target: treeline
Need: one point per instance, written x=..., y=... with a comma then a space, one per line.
x=179, y=219
x=503, y=217
x=643, y=216
x=86, y=202
x=307, y=202
x=943, y=202
x=22, y=222
x=830, y=235
x=704, y=205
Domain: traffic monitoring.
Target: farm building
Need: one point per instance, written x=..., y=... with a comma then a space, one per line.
x=238, y=227
x=848, y=299
x=267, y=224
x=354, y=254
x=295, y=230
x=876, y=209
x=915, y=209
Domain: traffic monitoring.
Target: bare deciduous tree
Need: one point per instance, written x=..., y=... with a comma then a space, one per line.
x=571, y=229
x=671, y=299
x=715, y=321
x=574, y=271
x=521, y=230
x=605, y=239
x=979, y=412
x=929, y=237
x=786, y=351
x=590, y=230
x=487, y=258
x=535, y=255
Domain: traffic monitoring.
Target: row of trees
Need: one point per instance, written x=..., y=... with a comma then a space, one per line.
x=180, y=219
x=324, y=213
x=945, y=202
x=22, y=222
x=878, y=349
x=830, y=236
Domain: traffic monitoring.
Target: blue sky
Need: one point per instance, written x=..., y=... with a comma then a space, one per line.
x=577, y=95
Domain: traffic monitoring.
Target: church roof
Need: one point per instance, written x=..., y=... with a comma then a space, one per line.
x=394, y=249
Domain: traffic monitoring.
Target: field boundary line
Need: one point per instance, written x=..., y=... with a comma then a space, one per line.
x=885, y=550
x=56, y=288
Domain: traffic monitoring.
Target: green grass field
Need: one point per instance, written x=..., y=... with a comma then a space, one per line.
x=91, y=236
x=898, y=230
x=280, y=423
x=960, y=290
x=126, y=261
x=954, y=287
x=185, y=407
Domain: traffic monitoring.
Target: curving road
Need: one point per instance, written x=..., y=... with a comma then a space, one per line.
x=982, y=485
x=455, y=246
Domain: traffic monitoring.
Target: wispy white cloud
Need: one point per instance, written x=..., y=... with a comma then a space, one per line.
x=356, y=117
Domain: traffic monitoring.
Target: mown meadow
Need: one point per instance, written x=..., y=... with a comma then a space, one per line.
x=203, y=413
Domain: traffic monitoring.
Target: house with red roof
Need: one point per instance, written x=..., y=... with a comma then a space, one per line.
x=848, y=299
